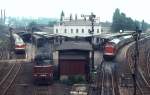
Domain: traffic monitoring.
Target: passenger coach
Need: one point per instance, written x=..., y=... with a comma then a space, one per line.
x=18, y=44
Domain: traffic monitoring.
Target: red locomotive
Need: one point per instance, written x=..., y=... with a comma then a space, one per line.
x=42, y=70
x=111, y=47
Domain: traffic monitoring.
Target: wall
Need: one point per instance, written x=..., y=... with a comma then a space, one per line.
x=86, y=28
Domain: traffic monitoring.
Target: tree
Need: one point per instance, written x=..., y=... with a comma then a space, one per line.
x=32, y=26
x=116, y=17
x=121, y=22
x=51, y=23
x=144, y=25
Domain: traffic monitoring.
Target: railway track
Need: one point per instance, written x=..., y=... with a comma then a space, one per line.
x=143, y=88
x=9, y=78
x=108, y=82
x=41, y=90
x=105, y=82
x=142, y=75
x=5, y=68
x=4, y=53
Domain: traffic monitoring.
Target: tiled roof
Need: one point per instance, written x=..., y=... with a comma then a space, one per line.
x=79, y=23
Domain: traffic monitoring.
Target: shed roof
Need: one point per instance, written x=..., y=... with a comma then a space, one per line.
x=75, y=45
x=74, y=57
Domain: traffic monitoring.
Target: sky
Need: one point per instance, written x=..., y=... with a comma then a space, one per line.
x=104, y=9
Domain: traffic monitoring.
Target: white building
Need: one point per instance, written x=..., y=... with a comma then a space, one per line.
x=77, y=27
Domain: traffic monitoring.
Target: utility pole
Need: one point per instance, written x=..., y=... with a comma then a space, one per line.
x=91, y=32
x=32, y=50
x=11, y=42
x=136, y=36
x=92, y=19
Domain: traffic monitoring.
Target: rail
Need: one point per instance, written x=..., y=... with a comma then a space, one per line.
x=140, y=82
x=7, y=81
x=41, y=90
x=113, y=85
x=102, y=88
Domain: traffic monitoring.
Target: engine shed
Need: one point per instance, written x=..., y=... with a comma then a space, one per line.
x=74, y=59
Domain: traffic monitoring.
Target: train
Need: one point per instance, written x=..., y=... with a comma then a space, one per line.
x=18, y=44
x=111, y=47
x=43, y=67
x=38, y=40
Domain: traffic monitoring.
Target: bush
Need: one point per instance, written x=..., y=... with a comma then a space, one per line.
x=76, y=79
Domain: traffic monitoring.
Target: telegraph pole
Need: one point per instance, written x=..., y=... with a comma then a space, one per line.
x=136, y=36
x=91, y=32
x=11, y=42
x=92, y=19
x=32, y=50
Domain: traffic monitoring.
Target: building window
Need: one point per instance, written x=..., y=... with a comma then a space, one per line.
x=56, y=30
x=71, y=30
x=77, y=30
x=82, y=30
x=97, y=30
x=65, y=31
x=97, y=40
x=102, y=30
x=89, y=30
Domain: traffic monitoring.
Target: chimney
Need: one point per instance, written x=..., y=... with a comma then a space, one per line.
x=71, y=17
x=4, y=17
x=76, y=18
x=1, y=16
x=85, y=18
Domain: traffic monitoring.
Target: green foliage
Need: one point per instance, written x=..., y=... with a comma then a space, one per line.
x=121, y=22
x=51, y=23
x=144, y=25
x=25, y=21
x=32, y=24
x=2, y=27
x=74, y=79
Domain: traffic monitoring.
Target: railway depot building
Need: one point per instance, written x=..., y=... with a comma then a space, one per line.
x=74, y=60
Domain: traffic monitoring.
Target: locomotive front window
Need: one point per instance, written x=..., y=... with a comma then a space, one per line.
x=42, y=60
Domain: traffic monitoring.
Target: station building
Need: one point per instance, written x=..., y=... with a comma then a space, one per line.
x=76, y=27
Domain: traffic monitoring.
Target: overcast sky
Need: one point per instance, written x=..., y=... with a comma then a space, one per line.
x=136, y=9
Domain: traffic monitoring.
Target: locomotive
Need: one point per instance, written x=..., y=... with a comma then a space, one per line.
x=42, y=70
x=111, y=47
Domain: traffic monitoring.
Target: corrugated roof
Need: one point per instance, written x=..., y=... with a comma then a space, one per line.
x=73, y=57
x=72, y=45
x=79, y=23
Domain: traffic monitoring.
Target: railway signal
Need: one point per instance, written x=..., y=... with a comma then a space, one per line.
x=91, y=32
